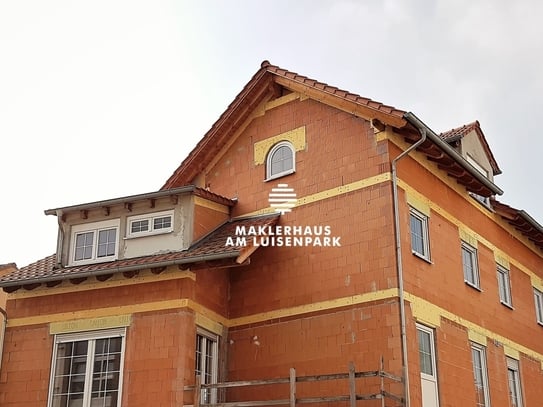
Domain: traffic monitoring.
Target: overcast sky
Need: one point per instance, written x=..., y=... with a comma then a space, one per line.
x=103, y=99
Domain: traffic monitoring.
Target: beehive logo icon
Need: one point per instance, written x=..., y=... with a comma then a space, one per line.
x=282, y=198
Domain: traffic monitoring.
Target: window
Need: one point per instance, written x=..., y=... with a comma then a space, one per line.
x=504, y=286
x=428, y=371
x=207, y=363
x=538, y=299
x=513, y=377
x=419, y=234
x=469, y=264
x=150, y=224
x=280, y=160
x=87, y=369
x=480, y=375
x=94, y=242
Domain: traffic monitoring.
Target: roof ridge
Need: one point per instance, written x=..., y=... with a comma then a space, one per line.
x=334, y=90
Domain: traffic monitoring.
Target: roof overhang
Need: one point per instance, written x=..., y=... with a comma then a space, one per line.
x=209, y=252
x=521, y=221
x=448, y=159
x=126, y=200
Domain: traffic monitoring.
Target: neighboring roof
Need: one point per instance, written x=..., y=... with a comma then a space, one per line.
x=187, y=189
x=6, y=268
x=209, y=249
x=521, y=221
x=458, y=133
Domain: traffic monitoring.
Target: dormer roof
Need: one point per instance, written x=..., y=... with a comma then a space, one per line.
x=128, y=200
x=459, y=133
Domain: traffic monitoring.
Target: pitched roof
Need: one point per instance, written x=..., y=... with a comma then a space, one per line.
x=521, y=221
x=458, y=133
x=209, y=249
x=187, y=189
x=261, y=87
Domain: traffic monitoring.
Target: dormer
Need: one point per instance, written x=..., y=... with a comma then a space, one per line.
x=470, y=142
x=136, y=226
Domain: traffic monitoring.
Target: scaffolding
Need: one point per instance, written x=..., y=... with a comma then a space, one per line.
x=205, y=395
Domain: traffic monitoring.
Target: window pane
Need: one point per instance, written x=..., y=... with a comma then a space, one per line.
x=479, y=375
x=206, y=365
x=504, y=286
x=281, y=160
x=106, y=242
x=70, y=370
x=417, y=234
x=467, y=263
x=107, y=366
x=513, y=387
x=538, y=299
x=83, y=246
x=139, y=226
x=425, y=352
x=163, y=222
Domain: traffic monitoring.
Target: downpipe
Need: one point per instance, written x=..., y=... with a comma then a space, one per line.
x=399, y=266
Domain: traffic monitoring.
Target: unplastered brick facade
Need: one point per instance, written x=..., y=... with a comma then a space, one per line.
x=427, y=229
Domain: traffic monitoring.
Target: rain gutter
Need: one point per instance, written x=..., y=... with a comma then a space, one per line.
x=115, y=270
x=451, y=152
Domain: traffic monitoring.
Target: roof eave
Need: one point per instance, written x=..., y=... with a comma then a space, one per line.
x=116, y=270
x=187, y=189
x=454, y=155
x=121, y=200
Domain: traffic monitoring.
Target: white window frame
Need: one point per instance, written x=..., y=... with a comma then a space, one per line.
x=479, y=352
x=150, y=218
x=504, y=285
x=425, y=238
x=472, y=253
x=538, y=300
x=90, y=336
x=429, y=378
x=514, y=383
x=269, y=175
x=212, y=340
x=94, y=227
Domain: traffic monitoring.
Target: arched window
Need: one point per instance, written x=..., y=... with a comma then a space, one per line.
x=280, y=160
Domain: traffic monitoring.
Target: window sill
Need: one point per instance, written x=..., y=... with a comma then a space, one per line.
x=420, y=256
x=282, y=174
x=510, y=306
x=540, y=323
x=92, y=261
x=147, y=234
x=473, y=286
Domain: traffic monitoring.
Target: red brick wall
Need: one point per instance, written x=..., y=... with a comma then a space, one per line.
x=340, y=149
x=159, y=357
x=442, y=283
x=26, y=367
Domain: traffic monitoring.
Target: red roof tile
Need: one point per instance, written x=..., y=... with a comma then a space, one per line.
x=460, y=132
x=253, y=93
x=211, y=247
x=521, y=221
